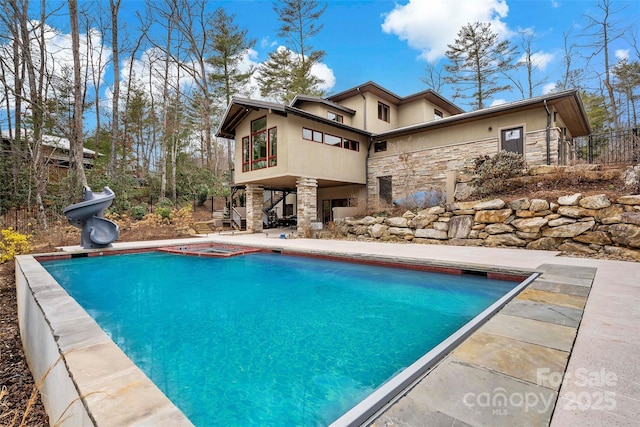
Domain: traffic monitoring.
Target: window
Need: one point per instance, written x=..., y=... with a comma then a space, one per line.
x=379, y=146
x=273, y=147
x=351, y=145
x=437, y=114
x=260, y=149
x=336, y=141
x=383, y=112
x=311, y=135
x=259, y=143
x=335, y=117
x=245, y=154
x=385, y=189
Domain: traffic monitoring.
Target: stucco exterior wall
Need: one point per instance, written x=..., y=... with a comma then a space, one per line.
x=419, y=111
x=301, y=157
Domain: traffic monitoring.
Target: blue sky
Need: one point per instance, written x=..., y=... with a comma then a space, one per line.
x=391, y=42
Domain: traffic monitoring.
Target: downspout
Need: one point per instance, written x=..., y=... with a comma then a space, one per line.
x=366, y=164
x=548, y=132
x=364, y=104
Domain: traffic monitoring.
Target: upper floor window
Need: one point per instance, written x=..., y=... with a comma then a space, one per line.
x=336, y=141
x=384, y=112
x=326, y=138
x=379, y=146
x=351, y=145
x=335, y=117
x=437, y=114
x=312, y=135
x=246, y=150
x=262, y=151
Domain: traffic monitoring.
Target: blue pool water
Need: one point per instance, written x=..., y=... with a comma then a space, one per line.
x=269, y=339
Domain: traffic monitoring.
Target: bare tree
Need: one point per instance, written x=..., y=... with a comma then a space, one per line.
x=530, y=64
x=114, y=6
x=571, y=76
x=192, y=20
x=76, y=146
x=433, y=78
x=131, y=91
x=25, y=36
x=97, y=66
x=604, y=30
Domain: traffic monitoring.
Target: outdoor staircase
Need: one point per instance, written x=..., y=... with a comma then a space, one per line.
x=204, y=227
x=273, y=200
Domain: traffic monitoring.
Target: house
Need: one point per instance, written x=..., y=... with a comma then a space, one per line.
x=367, y=146
x=55, y=151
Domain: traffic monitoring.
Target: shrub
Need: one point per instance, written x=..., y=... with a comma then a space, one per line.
x=164, y=212
x=182, y=217
x=492, y=173
x=138, y=212
x=202, y=193
x=12, y=243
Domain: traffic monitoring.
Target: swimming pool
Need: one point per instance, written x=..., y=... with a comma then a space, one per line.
x=223, y=350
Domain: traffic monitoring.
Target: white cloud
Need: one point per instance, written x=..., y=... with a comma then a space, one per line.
x=548, y=88
x=58, y=56
x=539, y=59
x=498, y=101
x=555, y=4
x=622, y=54
x=429, y=26
x=325, y=73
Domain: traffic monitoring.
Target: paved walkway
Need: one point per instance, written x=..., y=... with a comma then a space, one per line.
x=601, y=384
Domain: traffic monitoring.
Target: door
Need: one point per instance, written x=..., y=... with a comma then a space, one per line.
x=512, y=140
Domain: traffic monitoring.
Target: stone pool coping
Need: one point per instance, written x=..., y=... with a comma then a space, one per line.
x=81, y=342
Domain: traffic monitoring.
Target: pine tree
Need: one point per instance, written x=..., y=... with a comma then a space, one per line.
x=287, y=72
x=227, y=46
x=477, y=59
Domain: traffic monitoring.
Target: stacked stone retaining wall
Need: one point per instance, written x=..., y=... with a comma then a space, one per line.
x=586, y=225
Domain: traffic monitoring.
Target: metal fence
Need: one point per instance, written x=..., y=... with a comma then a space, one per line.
x=25, y=219
x=620, y=146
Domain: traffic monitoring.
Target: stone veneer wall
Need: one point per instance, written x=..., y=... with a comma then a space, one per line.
x=307, y=193
x=255, y=202
x=427, y=169
x=587, y=225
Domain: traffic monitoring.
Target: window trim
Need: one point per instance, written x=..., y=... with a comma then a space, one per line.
x=246, y=154
x=249, y=163
x=384, y=112
x=272, y=159
x=340, y=139
x=379, y=146
x=338, y=118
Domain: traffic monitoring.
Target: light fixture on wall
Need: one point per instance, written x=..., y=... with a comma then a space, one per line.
x=490, y=129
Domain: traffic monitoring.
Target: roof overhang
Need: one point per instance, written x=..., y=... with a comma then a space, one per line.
x=316, y=99
x=240, y=108
x=567, y=103
x=382, y=93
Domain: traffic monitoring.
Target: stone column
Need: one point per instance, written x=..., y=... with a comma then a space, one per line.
x=254, y=197
x=307, y=204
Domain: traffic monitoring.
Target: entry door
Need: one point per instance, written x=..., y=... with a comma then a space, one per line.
x=512, y=140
